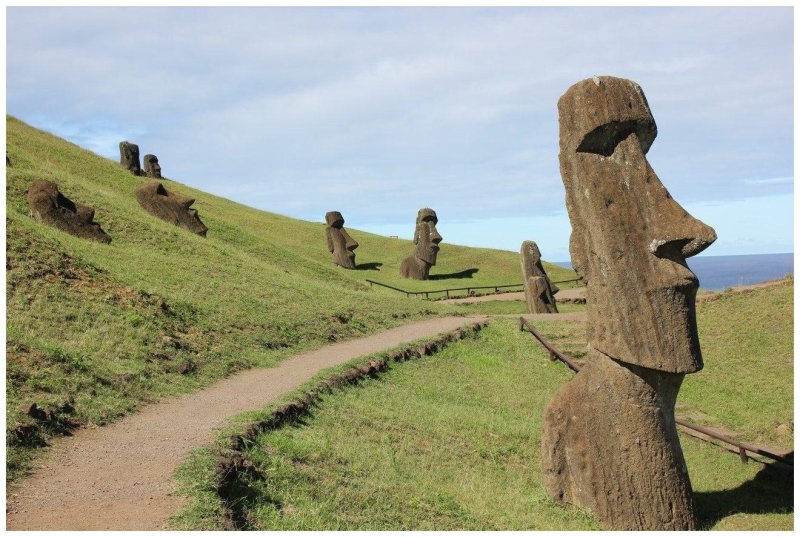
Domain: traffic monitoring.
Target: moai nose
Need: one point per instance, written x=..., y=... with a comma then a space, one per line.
x=435, y=237
x=678, y=232
x=350, y=243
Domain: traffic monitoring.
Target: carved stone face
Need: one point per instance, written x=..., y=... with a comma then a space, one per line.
x=630, y=239
x=129, y=157
x=340, y=243
x=51, y=207
x=151, y=166
x=426, y=238
x=170, y=207
x=538, y=294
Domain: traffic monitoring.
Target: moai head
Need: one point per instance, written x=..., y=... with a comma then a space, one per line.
x=539, y=290
x=531, y=259
x=51, y=207
x=170, y=207
x=340, y=244
x=426, y=238
x=129, y=157
x=151, y=167
x=630, y=239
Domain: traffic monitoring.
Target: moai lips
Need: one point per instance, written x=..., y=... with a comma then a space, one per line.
x=129, y=157
x=609, y=441
x=539, y=290
x=51, y=207
x=170, y=207
x=151, y=167
x=340, y=243
x=426, y=241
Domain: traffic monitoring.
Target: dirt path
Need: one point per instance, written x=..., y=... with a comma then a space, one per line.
x=576, y=292
x=120, y=476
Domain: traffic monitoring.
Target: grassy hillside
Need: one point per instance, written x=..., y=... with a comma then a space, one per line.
x=94, y=330
x=453, y=441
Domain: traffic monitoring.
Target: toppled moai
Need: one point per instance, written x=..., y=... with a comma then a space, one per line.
x=129, y=157
x=170, y=207
x=151, y=167
x=539, y=290
x=609, y=440
x=53, y=208
x=426, y=240
x=340, y=243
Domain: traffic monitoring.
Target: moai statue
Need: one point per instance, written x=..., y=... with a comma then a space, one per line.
x=539, y=290
x=426, y=239
x=609, y=441
x=51, y=207
x=152, y=167
x=170, y=207
x=340, y=243
x=129, y=157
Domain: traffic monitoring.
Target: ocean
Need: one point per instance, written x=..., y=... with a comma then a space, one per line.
x=717, y=272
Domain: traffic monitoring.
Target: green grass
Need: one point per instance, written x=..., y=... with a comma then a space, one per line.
x=452, y=441
x=94, y=330
x=510, y=307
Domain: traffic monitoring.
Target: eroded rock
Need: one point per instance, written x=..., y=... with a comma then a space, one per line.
x=129, y=157
x=340, y=243
x=170, y=207
x=609, y=441
x=151, y=167
x=539, y=290
x=426, y=240
x=51, y=207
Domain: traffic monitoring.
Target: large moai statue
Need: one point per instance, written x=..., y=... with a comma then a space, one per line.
x=51, y=207
x=170, y=207
x=129, y=157
x=340, y=243
x=539, y=290
x=609, y=441
x=426, y=239
x=151, y=167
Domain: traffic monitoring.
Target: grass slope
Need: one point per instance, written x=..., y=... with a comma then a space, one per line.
x=452, y=442
x=95, y=330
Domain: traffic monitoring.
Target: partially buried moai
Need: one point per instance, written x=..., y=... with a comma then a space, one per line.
x=426, y=241
x=53, y=208
x=609, y=439
x=539, y=290
x=129, y=157
x=151, y=166
x=170, y=207
x=340, y=243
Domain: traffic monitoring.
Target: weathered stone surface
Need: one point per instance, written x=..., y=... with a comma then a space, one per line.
x=151, y=167
x=129, y=157
x=609, y=441
x=426, y=240
x=340, y=243
x=170, y=207
x=539, y=290
x=51, y=207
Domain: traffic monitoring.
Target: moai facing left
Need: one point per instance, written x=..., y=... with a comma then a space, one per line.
x=129, y=157
x=340, y=243
x=539, y=290
x=151, y=167
x=609, y=440
x=426, y=241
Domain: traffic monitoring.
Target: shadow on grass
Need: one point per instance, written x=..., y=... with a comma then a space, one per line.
x=455, y=275
x=369, y=266
x=770, y=491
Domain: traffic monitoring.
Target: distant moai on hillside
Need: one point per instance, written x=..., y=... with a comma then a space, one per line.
x=426, y=241
x=340, y=243
x=539, y=290
x=151, y=167
x=170, y=207
x=51, y=207
x=609, y=440
x=129, y=157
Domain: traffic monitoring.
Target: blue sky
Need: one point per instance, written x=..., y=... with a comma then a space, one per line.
x=378, y=112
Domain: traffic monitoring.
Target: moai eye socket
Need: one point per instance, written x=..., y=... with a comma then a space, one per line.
x=605, y=138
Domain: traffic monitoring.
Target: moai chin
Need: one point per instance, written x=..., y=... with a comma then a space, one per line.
x=53, y=208
x=170, y=207
x=340, y=243
x=426, y=241
x=129, y=157
x=539, y=290
x=151, y=166
x=609, y=441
